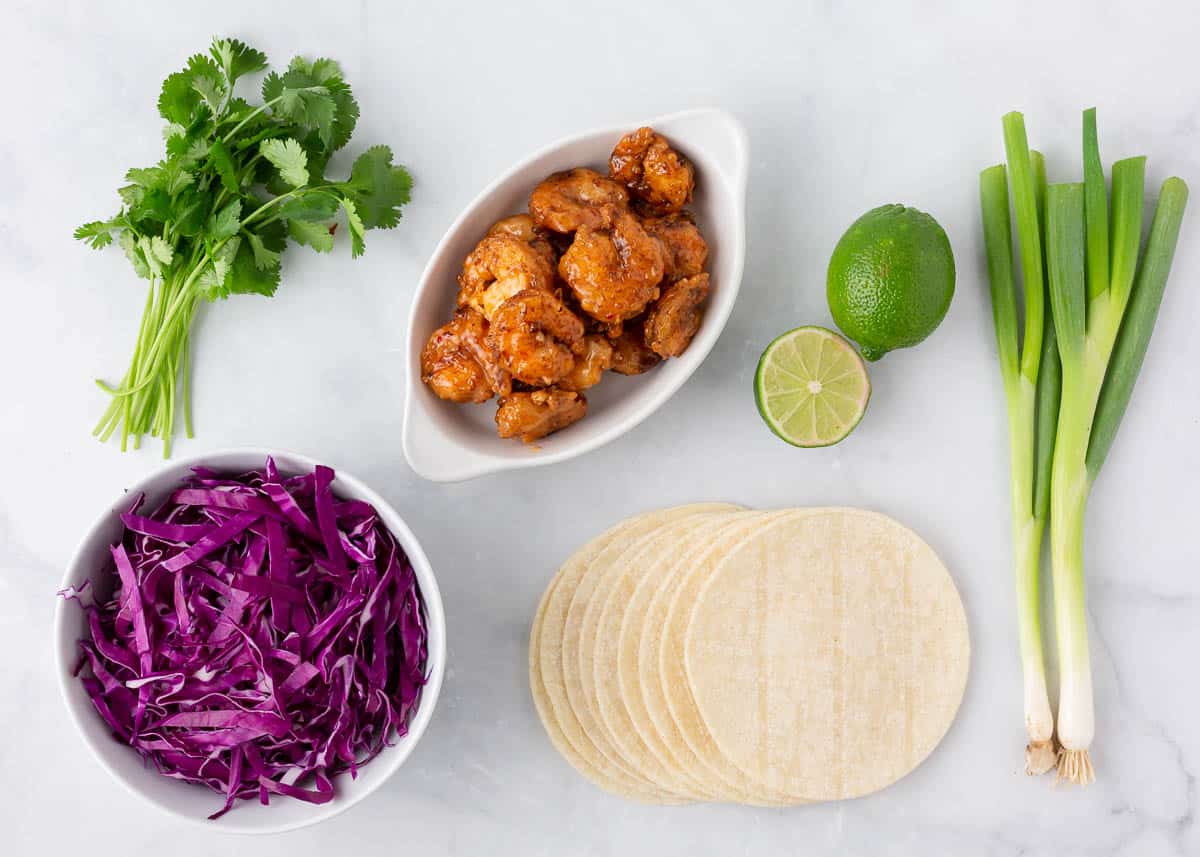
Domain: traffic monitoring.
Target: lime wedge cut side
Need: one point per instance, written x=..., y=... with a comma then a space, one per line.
x=811, y=387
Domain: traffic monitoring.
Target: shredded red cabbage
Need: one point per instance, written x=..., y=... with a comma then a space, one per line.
x=262, y=637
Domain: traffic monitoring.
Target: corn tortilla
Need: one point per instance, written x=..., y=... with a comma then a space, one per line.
x=827, y=653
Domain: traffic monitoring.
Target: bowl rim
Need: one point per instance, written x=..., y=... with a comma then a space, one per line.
x=430, y=593
x=483, y=463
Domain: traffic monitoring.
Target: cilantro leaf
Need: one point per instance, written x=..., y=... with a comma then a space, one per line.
x=252, y=274
x=315, y=235
x=378, y=188
x=177, y=181
x=97, y=233
x=177, y=102
x=160, y=250
x=327, y=73
x=298, y=99
x=195, y=152
x=128, y=241
x=185, y=93
x=314, y=150
x=322, y=69
x=149, y=207
x=206, y=79
x=169, y=177
x=147, y=177
x=211, y=90
x=264, y=256
x=288, y=158
x=226, y=222
x=189, y=211
x=221, y=161
x=321, y=113
x=346, y=115
x=357, y=240
x=310, y=205
x=214, y=279
x=156, y=253
x=236, y=58
x=189, y=144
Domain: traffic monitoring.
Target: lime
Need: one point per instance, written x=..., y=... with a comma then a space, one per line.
x=890, y=280
x=811, y=387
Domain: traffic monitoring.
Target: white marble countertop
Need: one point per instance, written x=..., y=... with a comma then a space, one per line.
x=848, y=106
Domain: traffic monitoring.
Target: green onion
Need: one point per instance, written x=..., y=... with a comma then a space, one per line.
x=1028, y=448
x=1090, y=313
x=1065, y=254
x=1068, y=385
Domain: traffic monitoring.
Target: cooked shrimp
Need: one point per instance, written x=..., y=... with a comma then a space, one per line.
x=566, y=201
x=684, y=249
x=654, y=172
x=675, y=317
x=613, y=270
x=630, y=355
x=534, y=415
x=522, y=226
x=595, y=356
x=535, y=337
x=500, y=266
x=459, y=365
x=571, y=302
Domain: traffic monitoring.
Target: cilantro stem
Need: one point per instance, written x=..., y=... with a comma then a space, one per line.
x=164, y=320
x=120, y=407
x=169, y=406
x=187, y=384
x=249, y=116
x=291, y=194
x=133, y=367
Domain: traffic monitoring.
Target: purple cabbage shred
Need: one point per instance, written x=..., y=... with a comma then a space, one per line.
x=262, y=636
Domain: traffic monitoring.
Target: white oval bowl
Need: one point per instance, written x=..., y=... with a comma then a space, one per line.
x=448, y=442
x=192, y=802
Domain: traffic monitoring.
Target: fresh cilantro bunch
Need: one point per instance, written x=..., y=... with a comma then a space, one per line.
x=213, y=217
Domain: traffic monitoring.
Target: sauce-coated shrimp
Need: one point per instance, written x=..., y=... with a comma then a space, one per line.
x=566, y=201
x=593, y=357
x=675, y=317
x=535, y=337
x=500, y=266
x=630, y=356
x=684, y=249
x=459, y=365
x=536, y=414
x=654, y=172
x=522, y=226
x=614, y=270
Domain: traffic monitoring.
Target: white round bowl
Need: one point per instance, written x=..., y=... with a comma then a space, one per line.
x=447, y=442
x=192, y=802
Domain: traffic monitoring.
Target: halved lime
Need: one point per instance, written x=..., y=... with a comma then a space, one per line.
x=811, y=387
